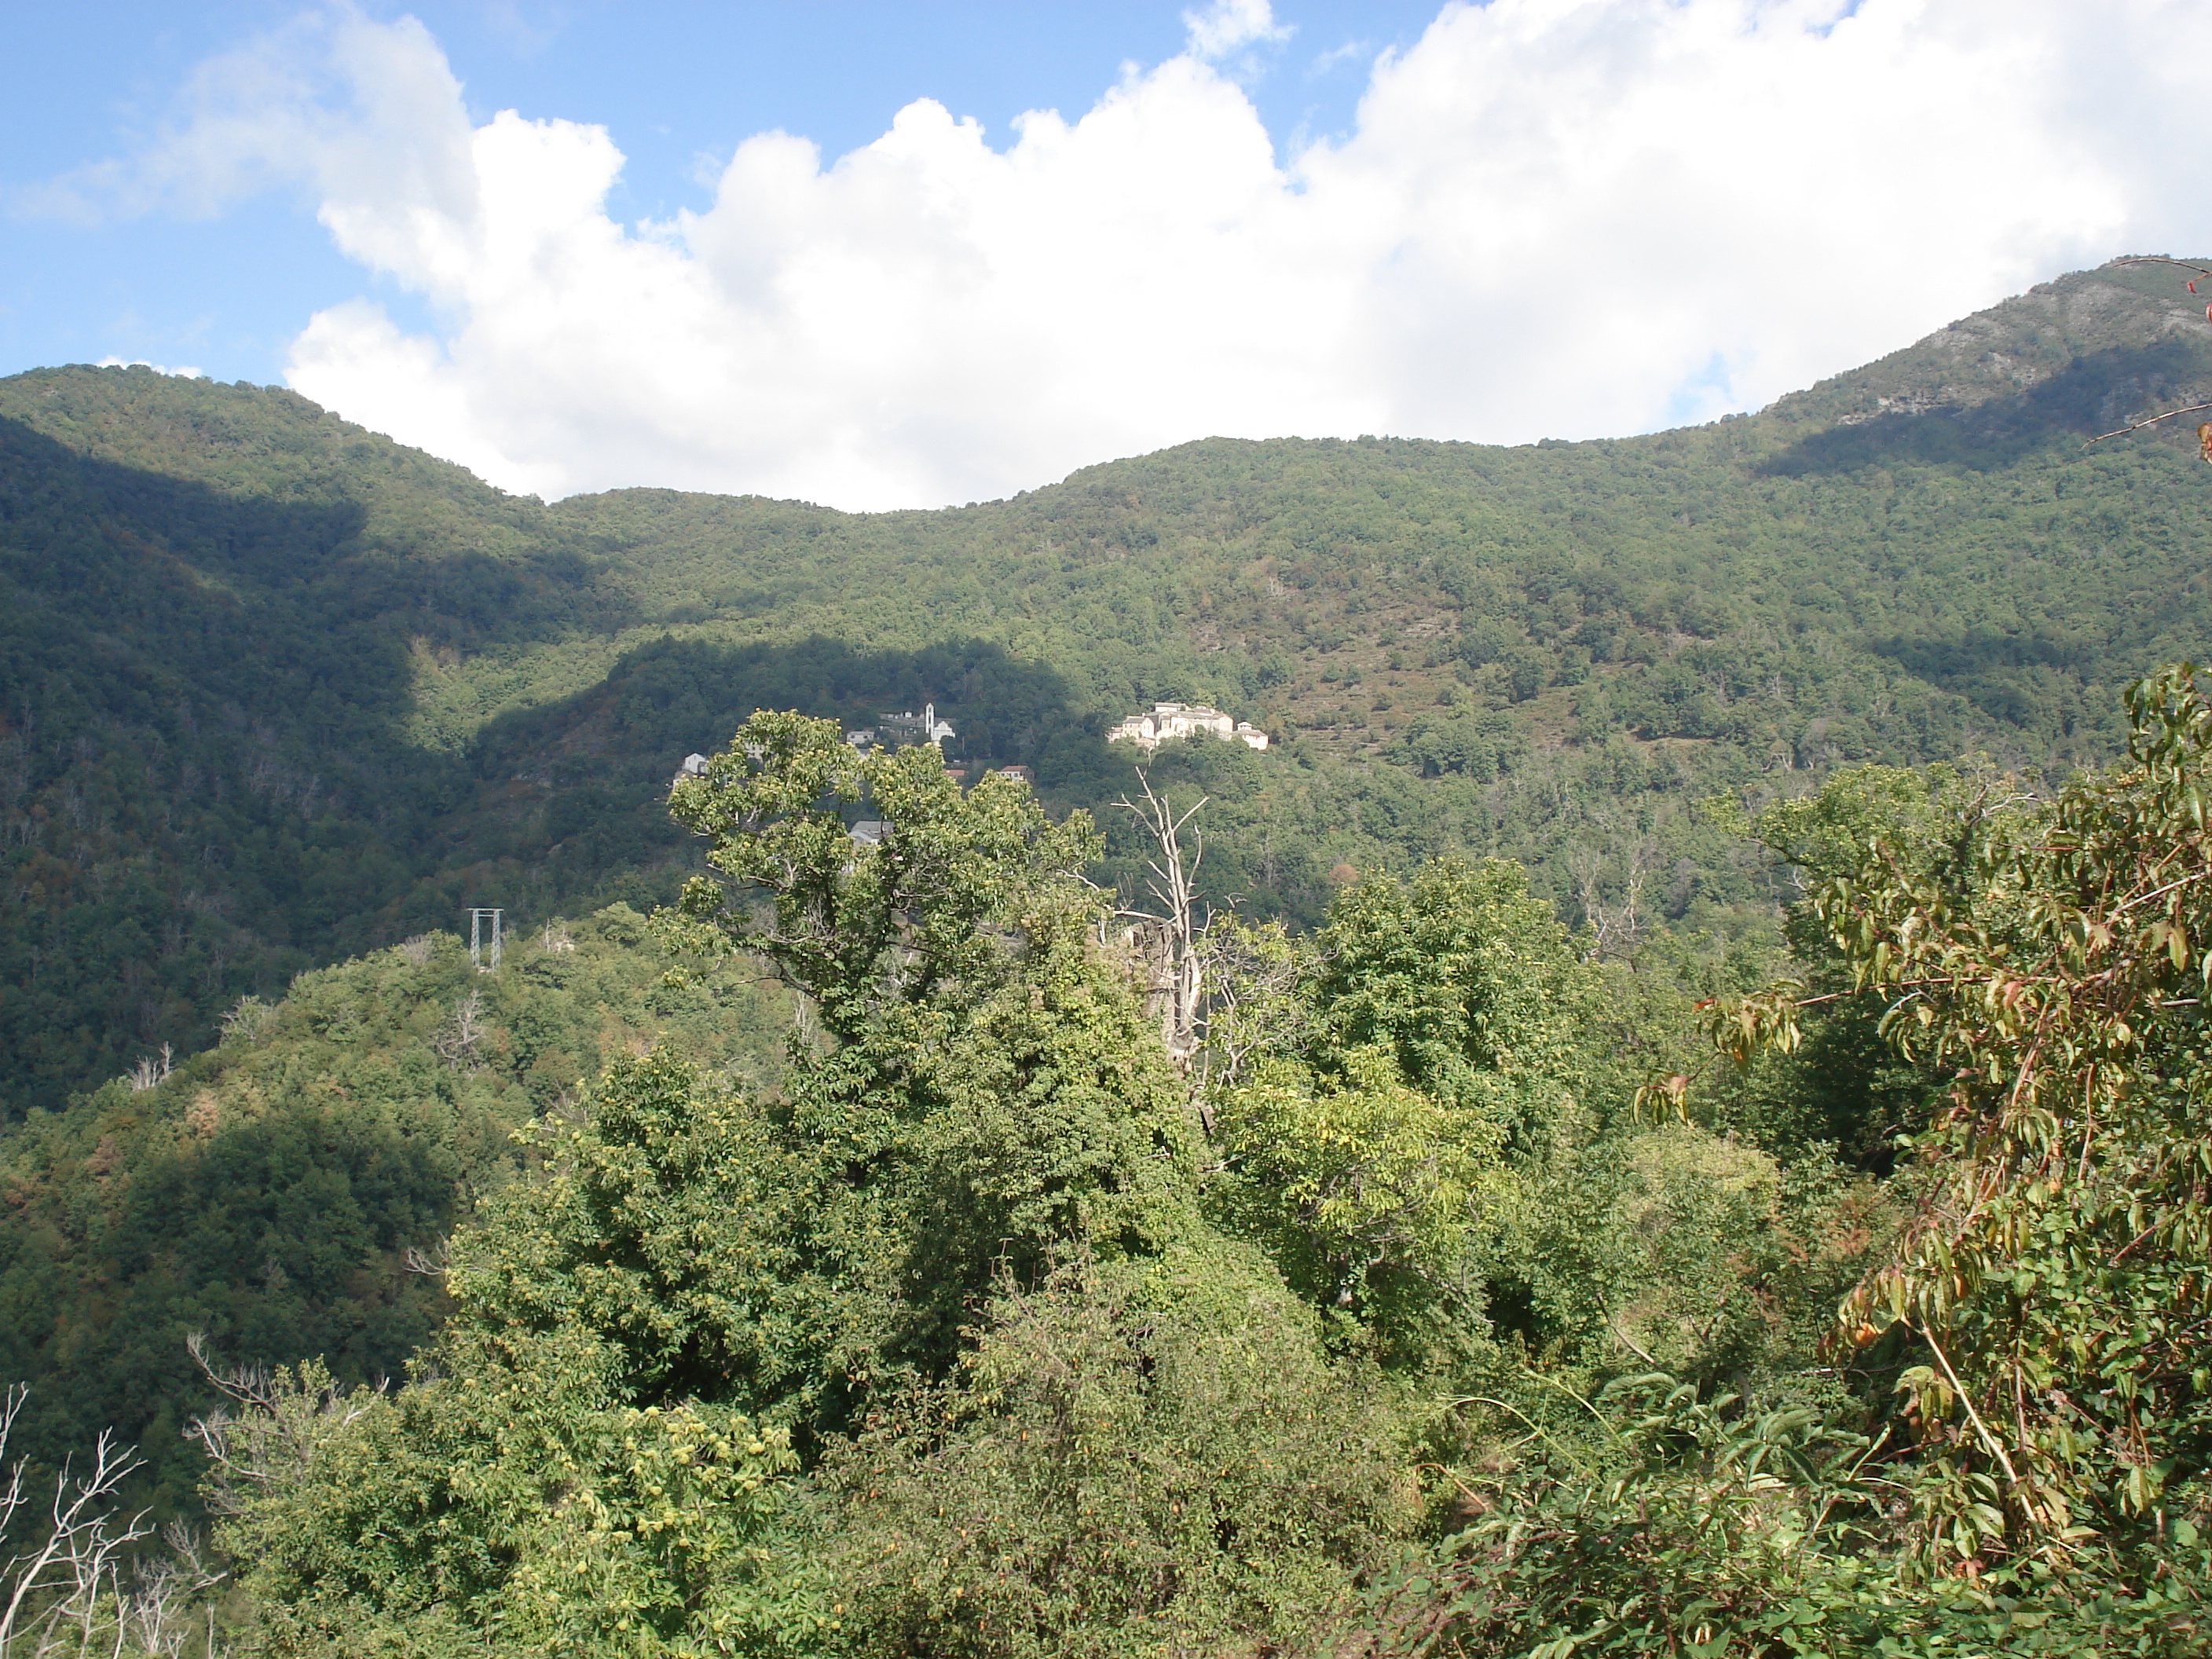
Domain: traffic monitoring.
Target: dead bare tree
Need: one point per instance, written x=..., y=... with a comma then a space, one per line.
x=250, y=1019
x=84, y=1584
x=1168, y=938
x=151, y=1074
x=457, y=1042
x=1614, y=929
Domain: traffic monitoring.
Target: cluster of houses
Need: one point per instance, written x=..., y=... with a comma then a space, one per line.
x=897, y=730
x=1169, y=720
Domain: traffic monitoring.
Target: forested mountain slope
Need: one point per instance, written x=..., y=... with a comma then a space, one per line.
x=274, y=689
x=266, y=1194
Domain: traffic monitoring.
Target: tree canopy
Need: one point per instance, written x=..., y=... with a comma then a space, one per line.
x=1672, y=1119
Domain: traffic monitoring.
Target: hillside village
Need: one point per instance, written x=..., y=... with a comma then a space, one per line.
x=1170, y=720
x=1167, y=722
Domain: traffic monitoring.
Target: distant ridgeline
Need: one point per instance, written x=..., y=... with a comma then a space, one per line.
x=275, y=690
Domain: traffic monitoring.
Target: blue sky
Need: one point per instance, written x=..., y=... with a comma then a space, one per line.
x=563, y=244
x=672, y=84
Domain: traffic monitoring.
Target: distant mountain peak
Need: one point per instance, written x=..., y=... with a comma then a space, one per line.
x=2019, y=343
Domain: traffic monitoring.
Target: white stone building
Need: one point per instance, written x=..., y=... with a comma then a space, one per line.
x=1184, y=719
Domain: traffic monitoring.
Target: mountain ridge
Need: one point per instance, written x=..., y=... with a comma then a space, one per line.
x=2014, y=345
x=276, y=690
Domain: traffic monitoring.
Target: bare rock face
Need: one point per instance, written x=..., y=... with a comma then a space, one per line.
x=2123, y=336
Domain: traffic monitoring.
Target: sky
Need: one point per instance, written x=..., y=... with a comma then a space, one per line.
x=913, y=255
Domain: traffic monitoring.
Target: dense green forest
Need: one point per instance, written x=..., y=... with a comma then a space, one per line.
x=1402, y=1322
x=266, y=1193
x=274, y=691
x=1700, y=883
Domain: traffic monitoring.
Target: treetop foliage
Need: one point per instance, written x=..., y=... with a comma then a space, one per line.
x=917, y=915
x=1394, y=1326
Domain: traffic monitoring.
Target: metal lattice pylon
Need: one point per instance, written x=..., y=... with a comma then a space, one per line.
x=476, y=941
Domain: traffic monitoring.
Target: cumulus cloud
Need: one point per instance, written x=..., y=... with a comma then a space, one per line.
x=1553, y=217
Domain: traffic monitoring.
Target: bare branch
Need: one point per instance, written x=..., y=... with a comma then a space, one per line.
x=2162, y=259
x=279, y=1421
x=432, y=1263
x=2137, y=426
x=83, y=1545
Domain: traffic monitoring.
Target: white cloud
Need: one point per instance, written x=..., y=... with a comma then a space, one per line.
x=1555, y=217
x=1231, y=26
x=365, y=115
x=183, y=370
